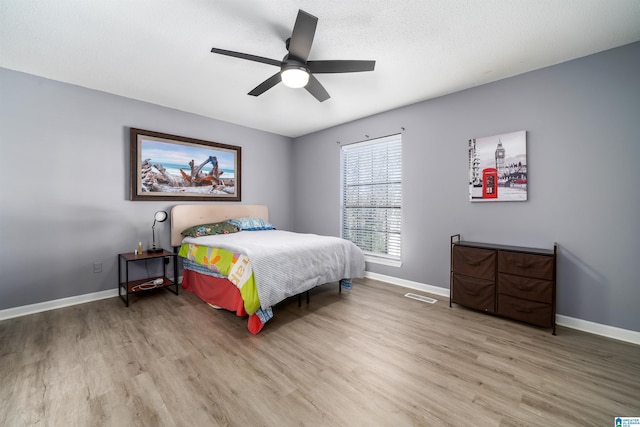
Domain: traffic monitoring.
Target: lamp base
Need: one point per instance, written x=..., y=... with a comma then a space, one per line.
x=154, y=251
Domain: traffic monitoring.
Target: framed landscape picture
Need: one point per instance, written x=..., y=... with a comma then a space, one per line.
x=171, y=167
x=498, y=168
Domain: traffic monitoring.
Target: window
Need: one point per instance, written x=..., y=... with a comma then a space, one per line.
x=372, y=196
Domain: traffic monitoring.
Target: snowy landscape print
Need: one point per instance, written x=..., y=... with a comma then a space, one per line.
x=498, y=168
x=179, y=168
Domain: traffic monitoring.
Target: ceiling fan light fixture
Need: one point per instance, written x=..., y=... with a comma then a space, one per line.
x=295, y=77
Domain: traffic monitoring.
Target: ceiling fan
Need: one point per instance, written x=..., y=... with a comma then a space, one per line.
x=295, y=70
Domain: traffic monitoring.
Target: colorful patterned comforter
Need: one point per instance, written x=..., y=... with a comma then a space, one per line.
x=223, y=263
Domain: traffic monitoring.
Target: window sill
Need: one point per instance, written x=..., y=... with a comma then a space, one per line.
x=383, y=261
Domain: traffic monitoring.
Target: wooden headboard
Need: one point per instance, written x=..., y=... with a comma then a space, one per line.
x=185, y=216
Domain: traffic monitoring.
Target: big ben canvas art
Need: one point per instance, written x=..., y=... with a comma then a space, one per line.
x=498, y=168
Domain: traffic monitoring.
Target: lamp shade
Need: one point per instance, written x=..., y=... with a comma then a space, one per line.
x=160, y=216
x=295, y=76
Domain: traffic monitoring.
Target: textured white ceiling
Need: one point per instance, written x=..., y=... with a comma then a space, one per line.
x=159, y=50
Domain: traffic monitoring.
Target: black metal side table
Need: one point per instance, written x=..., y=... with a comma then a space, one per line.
x=139, y=286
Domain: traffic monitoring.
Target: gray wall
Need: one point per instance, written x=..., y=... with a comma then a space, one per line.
x=64, y=153
x=64, y=169
x=583, y=125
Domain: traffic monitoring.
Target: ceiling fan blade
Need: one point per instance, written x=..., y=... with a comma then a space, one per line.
x=247, y=56
x=340, y=66
x=266, y=85
x=316, y=89
x=302, y=36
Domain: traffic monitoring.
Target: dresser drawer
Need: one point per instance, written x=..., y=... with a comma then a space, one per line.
x=474, y=293
x=533, y=312
x=480, y=263
x=523, y=264
x=526, y=287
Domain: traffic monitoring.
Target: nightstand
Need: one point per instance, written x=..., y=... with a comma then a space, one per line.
x=139, y=286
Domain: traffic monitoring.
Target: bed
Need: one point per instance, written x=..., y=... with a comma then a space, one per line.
x=234, y=259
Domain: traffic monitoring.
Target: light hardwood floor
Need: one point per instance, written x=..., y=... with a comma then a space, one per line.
x=368, y=357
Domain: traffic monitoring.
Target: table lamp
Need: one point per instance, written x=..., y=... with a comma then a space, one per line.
x=160, y=216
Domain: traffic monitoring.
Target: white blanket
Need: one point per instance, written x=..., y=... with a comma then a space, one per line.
x=285, y=263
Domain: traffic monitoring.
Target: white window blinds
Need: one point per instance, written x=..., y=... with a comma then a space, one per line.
x=372, y=195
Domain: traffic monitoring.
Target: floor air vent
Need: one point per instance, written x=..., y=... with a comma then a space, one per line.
x=421, y=298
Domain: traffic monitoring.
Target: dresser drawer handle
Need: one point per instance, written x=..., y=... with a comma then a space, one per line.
x=523, y=265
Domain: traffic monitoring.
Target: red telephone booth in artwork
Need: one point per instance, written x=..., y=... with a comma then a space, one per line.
x=489, y=183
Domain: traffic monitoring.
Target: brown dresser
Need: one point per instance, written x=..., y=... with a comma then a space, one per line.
x=509, y=281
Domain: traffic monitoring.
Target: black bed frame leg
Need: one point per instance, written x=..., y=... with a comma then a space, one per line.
x=300, y=299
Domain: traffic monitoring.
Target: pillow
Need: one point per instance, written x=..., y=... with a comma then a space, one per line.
x=223, y=227
x=250, y=224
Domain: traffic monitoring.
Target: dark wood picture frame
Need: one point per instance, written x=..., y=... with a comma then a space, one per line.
x=177, y=168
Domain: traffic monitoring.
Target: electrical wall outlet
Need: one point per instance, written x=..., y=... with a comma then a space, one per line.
x=97, y=267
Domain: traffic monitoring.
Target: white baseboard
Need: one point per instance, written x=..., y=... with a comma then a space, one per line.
x=613, y=332
x=620, y=334
x=10, y=313
x=24, y=310
x=437, y=290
